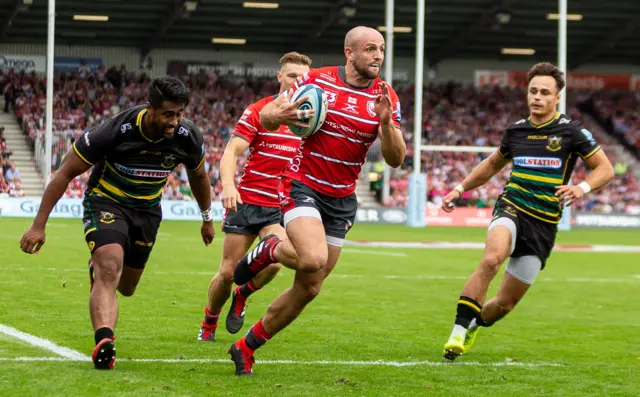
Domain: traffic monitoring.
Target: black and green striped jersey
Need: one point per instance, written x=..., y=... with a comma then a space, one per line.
x=129, y=167
x=544, y=157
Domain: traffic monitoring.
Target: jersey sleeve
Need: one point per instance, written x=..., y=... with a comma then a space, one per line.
x=583, y=142
x=504, y=150
x=249, y=124
x=95, y=144
x=395, y=102
x=307, y=78
x=195, y=150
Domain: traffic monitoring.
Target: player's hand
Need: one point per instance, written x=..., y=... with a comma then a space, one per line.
x=383, y=106
x=230, y=197
x=32, y=240
x=569, y=194
x=286, y=112
x=208, y=232
x=447, y=202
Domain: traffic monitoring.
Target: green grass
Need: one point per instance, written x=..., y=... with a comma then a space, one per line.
x=591, y=328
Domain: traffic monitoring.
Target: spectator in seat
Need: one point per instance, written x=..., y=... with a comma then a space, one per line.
x=12, y=175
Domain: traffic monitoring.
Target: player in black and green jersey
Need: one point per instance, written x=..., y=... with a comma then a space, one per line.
x=132, y=154
x=544, y=149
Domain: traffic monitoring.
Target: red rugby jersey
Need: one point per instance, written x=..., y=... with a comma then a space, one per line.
x=270, y=153
x=330, y=160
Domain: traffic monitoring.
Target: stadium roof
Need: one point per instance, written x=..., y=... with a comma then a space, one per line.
x=609, y=31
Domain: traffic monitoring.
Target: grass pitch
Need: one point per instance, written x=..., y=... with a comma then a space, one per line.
x=577, y=332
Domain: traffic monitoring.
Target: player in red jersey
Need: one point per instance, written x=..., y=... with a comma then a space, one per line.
x=253, y=208
x=317, y=190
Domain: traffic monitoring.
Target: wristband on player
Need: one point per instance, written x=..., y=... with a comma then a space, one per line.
x=459, y=188
x=584, y=186
x=207, y=216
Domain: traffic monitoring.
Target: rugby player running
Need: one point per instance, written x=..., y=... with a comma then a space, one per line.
x=544, y=149
x=132, y=155
x=253, y=208
x=317, y=189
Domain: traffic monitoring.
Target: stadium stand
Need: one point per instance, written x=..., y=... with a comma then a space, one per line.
x=453, y=114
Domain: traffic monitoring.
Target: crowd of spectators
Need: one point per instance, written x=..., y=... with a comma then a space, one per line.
x=452, y=114
x=10, y=183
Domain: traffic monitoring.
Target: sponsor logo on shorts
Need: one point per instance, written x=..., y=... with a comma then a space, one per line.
x=538, y=162
x=348, y=225
x=107, y=217
x=91, y=245
x=143, y=244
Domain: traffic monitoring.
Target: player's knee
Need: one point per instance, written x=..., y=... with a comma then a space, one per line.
x=274, y=267
x=313, y=261
x=506, y=304
x=491, y=263
x=226, y=275
x=107, y=267
x=311, y=291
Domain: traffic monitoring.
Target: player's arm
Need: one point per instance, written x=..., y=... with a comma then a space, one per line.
x=601, y=174
x=72, y=166
x=200, y=184
x=594, y=157
x=235, y=147
x=478, y=177
x=92, y=147
x=392, y=143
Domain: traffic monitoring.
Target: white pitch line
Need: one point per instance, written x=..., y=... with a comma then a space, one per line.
x=479, y=246
x=384, y=253
x=631, y=279
x=380, y=363
x=44, y=344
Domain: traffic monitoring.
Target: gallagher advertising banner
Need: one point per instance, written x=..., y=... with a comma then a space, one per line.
x=72, y=208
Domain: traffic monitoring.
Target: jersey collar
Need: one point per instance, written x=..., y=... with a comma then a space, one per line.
x=546, y=123
x=139, y=125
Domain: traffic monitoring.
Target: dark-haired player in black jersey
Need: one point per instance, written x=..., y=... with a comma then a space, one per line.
x=132, y=154
x=544, y=149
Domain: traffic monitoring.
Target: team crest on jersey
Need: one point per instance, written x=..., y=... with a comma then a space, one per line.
x=107, y=217
x=371, y=108
x=169, y=161
x=554, y=143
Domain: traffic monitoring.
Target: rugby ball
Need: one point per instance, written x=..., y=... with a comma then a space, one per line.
x=318, y=102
